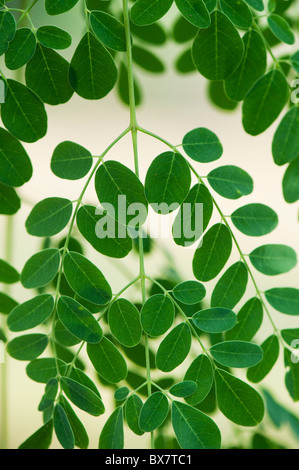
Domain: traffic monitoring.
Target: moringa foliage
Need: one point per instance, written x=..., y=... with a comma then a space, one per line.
x=131, y=346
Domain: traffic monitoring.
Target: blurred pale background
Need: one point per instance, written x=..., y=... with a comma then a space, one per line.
x=172, y=106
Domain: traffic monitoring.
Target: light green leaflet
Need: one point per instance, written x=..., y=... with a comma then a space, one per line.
x=255, y=220
x=230, y=181
x=41, y=268
x=273, y=259
x=239, y=354
x=215, y=320
x=124, y=322
x=154, y=412
x=284, y=299
x=174, y=348
x=193, y=429
x=281, y=28
x=112, y=435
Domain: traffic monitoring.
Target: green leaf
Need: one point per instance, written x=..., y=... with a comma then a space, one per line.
x=256, y=4
x=251, y=68
x=15, y=165
x=152, y=34
x=249, y=321
x=49, y=396
x=20, y=49
x=264, y=102
x=63, y=429
x=231, y=287
x=186, y=229
x=63, y=336
x=124, y=322
x=27, y=347
x=23, y=113
x=47, y=75
x=270, y=349
x=281, y=28
x=183, y=30
x=49, y=217
x=184, y=62
x=201, y=372
x=290, y=182
x=285, y=146
x=157, y=315
x=284, y=299
x=93, y=72
x=174, y=348
x=255, y=220
x=40, y=269
x=146, y=12
x=123, y=86
x=218, y=50
x=215, y=320
x=107, y=361
x=7, y=304
x=147, y=60
x=41, y=439
x=184, y=389
x=9, y=200
x=53, y=37
x=273, y=259
x=79, y=376
x=290, y=335
x=90, y=223
x=219, y=98
x=202, y=145
x=230, y=181
x=44, y=369
x=80, y=434
x=57, y=7
x=82, y=397
x=239, y=354
x=8, y=29
x=31, y=313
x=237, y=400
x=112, y=435
x=121, y=393
x=154, y=412
x=86, y=279
x=108, y=30
x=194, y=11
x=193, y=429
x=78, y=320
x=8, y=274
x=189, y=292
x=118, y=186
x=292, y=375
x=212, y=255
x=238, y=12
x=132, y=412
x=167, y=182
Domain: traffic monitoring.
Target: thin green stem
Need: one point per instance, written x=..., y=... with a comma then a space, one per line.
x=24, y=15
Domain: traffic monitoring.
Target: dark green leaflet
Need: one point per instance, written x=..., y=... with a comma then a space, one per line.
x=47, y=75
x=184, y=229
x=292, y=376
x=237, y=400
x=27, y=347
x=152, y=34
x=290, y=182
x=256, y=4
x=56, y=7
x=147, y=60
x=41, y=439
x=264, y=102
x=63, y=336
x=112, y=435
x=8, y=274
x=53, y=37
x=290, y=335
x=167, y=182
x=7, y=304
x=15, y=165
x=79, y=376
x=123, y=86
x=210, y=258
x=71, y=161
x=44, y=369
x=201, y=372
x=92, y=70
x=255, y=220
x=184, y=63
x=49, y=217
x=194, y=11
x=80, y=434
x=249, y=321
x=23, y=113
x=146, y=12
x=109, y=30
x=218, y=50
x=9, y=200
x=183, y=30
x=252, y=66
x=189, y=292
x=184, y=389
x=157, y=315
x=238, y=12
x=284, y=299
x=49, y=396
x=174, y=348
x=218, y=96
x=124, y=322
x=230, y=181
x=86, y=279
x=132, y=412
x=237, y=354
x=215, y=320
x=20, y=49
x=193, y=429
x=63, y=429
x=90, y=223
x=82, y=397
x=107, y=361
x=285, y=146
x=8, y=29
x=202, y=145
x=273, y=259
x=270, y=349
x=31, y=313
x=281, y=28
x=154, y=412
x=41, y=268
x=231, y=287
x=121, y=393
